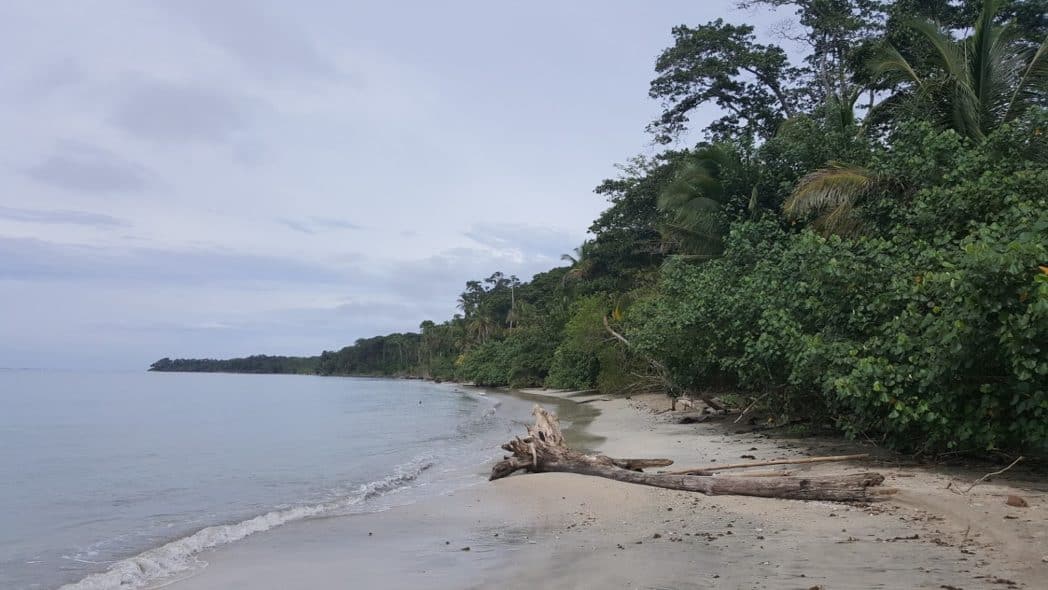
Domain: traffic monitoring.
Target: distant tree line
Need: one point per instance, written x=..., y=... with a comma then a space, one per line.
x=259, y=363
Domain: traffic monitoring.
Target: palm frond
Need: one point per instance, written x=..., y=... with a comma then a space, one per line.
x=1032, y=86
x=948, y=54
x=981, y=44
x=693, y=202
x=827, y=187
x=889, y=62
x=702, y=217
x=840, y=220
x=831, y=194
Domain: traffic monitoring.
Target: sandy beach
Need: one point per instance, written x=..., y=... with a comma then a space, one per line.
x=570, y=531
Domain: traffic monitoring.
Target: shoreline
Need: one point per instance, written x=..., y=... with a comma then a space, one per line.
x=566, y=530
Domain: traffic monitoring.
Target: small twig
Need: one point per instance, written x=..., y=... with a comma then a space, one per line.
x=989, y=475
x=750, y=407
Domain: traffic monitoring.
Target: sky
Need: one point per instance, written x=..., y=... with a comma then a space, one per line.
x=191, y=178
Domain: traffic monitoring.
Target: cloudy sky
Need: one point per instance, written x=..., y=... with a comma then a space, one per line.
x=202, y=178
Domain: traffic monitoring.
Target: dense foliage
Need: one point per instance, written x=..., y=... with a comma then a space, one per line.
x=860, y=241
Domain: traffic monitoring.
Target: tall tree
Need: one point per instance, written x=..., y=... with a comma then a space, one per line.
x=723, y=65
x=834, y=31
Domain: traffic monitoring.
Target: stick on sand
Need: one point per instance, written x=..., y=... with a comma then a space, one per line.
x=714, y=468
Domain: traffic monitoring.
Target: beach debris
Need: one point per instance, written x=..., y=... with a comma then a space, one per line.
x=1017, y=501
x=693, y=418
x=544, y=449
x=766, y=473
x=709, y=470
x=989, y=475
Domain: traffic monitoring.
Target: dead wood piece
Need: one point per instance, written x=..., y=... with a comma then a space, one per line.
x=693, y=418
x=749, y=407
x=663, y=374
x=543, y=450
x=766, y=473
x=711, y=469
x=639, y=464
x=989, y=475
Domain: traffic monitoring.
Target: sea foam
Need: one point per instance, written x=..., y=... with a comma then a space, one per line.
x=180, y=556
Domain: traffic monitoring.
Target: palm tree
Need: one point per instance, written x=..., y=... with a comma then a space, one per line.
x=522, y=311
x=574, y=257
x=977, y=83
x=695, y=199
x=581, y=263
x=481, y=327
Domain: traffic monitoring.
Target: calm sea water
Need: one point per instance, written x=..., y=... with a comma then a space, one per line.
x=123, y=478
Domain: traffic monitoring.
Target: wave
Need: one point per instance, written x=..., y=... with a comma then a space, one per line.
x=180, y=555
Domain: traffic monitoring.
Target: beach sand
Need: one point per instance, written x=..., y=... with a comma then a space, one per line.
x=571, y=531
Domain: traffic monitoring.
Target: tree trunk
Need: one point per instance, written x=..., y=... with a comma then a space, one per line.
x=544, y=450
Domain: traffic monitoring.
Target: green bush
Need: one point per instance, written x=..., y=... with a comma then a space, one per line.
x=962, y=359
x=575, y=363
x=929, y=331
x=521, y=359
x=587, y=356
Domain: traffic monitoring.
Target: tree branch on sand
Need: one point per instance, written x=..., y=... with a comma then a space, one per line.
x=544, y=450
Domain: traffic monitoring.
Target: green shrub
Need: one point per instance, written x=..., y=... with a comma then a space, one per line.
x=521, y=359
x=929, y=331
x=575, y=363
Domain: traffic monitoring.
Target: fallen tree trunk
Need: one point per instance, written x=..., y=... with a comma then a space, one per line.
x=544, y=450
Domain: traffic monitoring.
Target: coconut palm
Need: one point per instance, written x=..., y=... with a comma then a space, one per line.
x=976, y=83
x=481, y=327
x=520, y=312
x=581, y=262
x=694, y=201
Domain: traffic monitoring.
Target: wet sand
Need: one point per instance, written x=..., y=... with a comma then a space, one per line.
x=569, y=531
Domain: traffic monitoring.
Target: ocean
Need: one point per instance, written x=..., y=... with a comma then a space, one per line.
x=121, y=480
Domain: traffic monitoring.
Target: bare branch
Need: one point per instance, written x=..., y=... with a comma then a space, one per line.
x=989, y=475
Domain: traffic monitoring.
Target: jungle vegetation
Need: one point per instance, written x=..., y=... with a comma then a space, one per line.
x=860, y=240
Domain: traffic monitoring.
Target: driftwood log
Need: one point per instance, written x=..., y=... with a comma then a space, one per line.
x=544, y=450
